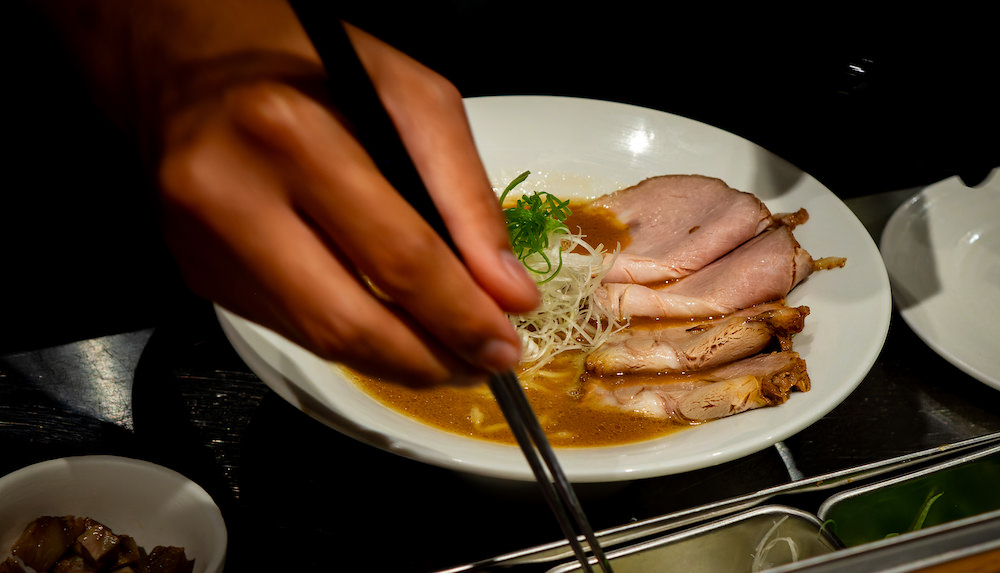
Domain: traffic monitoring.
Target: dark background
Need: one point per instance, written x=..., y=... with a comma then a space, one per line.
x=864, y=104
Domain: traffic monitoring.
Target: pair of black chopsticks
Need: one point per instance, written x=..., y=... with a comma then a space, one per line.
x=356, y=97
x=538, y=451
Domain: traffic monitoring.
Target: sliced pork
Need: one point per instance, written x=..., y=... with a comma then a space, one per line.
x=680, y=223
x=756, y=382
x=705, y=344
x=763, y=269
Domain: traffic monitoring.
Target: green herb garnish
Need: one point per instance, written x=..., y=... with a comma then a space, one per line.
x=925, y=508
x=529, y=224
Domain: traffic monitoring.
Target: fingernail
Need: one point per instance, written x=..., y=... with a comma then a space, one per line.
x=498, y=354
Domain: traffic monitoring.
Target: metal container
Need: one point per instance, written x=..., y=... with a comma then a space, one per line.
x=737, y=534
x=942, y=493
x=961, y=546
x=750, y=541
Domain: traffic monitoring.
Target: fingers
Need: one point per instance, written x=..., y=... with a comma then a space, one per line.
x=277, y=213
x=241, y=243
x=375, y=228
x=430, y=116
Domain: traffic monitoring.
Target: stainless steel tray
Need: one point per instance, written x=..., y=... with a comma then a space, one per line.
x=678, y=532
x=962, y=546
x=754, y=540
x=959, y=488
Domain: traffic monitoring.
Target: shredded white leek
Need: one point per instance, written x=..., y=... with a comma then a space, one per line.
x=768, y=543
x=565, y=320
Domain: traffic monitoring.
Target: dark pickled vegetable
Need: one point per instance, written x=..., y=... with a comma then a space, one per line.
x=9, y=565
x=168, y=560
x=46, y=539
x=69, y=544
x=98, y=545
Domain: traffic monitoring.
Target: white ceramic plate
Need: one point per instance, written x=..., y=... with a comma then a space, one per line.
x=942, y=251
x=589, y=147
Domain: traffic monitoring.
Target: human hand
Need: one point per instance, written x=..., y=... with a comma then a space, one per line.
x=274, y=211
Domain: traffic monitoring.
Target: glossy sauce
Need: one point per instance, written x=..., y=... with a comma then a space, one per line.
x=599, y=225
x=556, y=397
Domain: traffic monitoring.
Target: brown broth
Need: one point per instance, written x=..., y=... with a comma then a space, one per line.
x=567, y=421
x=599, y=224
x=558, y=401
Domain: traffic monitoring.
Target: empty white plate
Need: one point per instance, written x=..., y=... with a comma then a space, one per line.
x=942, y=251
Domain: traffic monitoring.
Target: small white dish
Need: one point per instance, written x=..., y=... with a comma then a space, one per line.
x=582, y=148
x=942, y=251
x=152, y=504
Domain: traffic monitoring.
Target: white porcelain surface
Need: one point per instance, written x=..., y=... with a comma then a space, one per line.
x=586, y=147
x=942, y=251
x=151, y=503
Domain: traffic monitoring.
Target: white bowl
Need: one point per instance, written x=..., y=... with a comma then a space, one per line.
x=582, y=148
x=153, y=504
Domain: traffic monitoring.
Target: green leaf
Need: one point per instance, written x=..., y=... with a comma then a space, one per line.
x=530, y=223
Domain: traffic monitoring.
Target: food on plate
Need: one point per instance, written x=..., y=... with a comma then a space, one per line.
x=678, y=224
x=663, y=306
x=695, y=345
x=568, y=270
x=70, y=544
x=700, y=396
x=765, y=268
